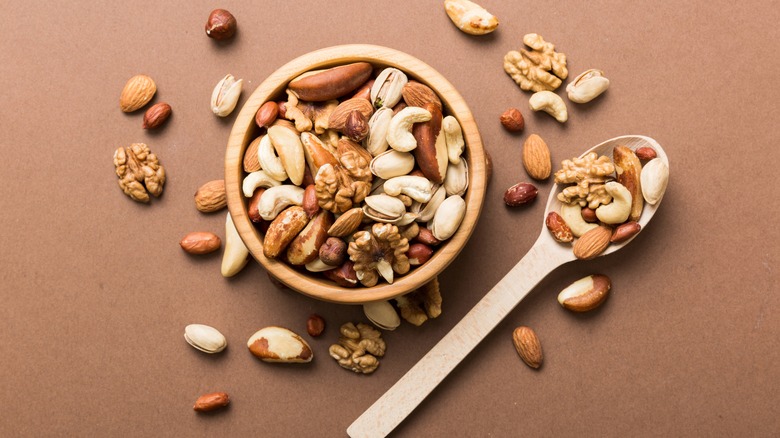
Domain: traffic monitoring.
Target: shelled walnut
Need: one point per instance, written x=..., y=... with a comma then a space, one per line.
x=416, y=307
x=358, y=348
x=380, y=251
x=139, y=172
x=539, y=69
x=589, y=173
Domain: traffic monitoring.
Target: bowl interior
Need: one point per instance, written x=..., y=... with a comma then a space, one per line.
x=245, y=130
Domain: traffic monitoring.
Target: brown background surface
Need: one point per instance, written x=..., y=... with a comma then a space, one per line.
x=96, y=291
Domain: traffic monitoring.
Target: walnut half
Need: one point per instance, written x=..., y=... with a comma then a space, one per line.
x=589, y=173
x=139, y=172
x=417, y=306
x=358, y=348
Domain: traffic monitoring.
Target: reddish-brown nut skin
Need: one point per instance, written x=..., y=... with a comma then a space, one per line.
x=200, y=242
x=589, y=215
x=398, y=107
x=646, y=153
x=308, y=179
x=310, y=203
x=221, y=25
x=211, y=402
x=356, y=127
x=333, y=252
x=419, y=253
x=254, y=201
x=558, y=228
x=315, y=325
x=364, y=92
x=266, y=114
x=282, y=105
x=156, y=115
x=332, y=83
x=625, y=232
x=519, y=194
x=344, y=276
x=512, y=120
x=426, y=236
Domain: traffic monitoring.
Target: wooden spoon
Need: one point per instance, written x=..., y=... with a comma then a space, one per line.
x=545, y=255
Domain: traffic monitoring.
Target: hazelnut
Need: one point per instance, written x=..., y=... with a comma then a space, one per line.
x=589, y=215
x=512, y=119
x=356, y=127
x=333, y=252
x=315, y=325
x=221, y=25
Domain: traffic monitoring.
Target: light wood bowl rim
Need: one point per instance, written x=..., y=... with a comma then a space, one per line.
x=244, y=129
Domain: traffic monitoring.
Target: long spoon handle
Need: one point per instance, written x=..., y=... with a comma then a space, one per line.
x=400, y=400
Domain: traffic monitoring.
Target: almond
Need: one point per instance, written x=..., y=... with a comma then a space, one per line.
x=331, y=83
x=558, y=228
x=585, y=294
x=528, y=346
x=278, y=344
x=592, y=243
x=338, y=118
x=266, y=114
x=138, y=91
x=628, y=170
x=347, y=223
x=211, y=196
x=283, y=230
x=306, y=245
x=156, y=115
x=536, y=158
x=251, y=161
x=625, y=232
x=417, y=94
x=210, y=402
x=200, y=242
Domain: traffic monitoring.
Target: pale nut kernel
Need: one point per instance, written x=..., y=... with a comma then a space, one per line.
x=512, y=120
x=470, y=17
x=277, y=198
x=278, y=344
x=392, y=163
x=528, y=346
x=617, y=211
x=587, y=86
x=416, y=187
x=550, y=103
x=258, y=179
x=382, y=314
x=572, y=215
x=205, y=338
x=586, y=293
x=399, y=134
x=453, y=137
x=448, y=217
x=270, y=163
x=225, y=95
x=388, y=87
x=236, y=254
x=654, y=177
x=378, y=124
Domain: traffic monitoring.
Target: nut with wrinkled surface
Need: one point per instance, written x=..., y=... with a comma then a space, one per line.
x=278, y=344
x=211, y=196
x=200, y=242
x=358, y=348
x=380, y=251
x=344, y=276
x=528, y=346
x=536, y=158
x=512, y=119
x=356, y=127
x=418, y=306
x=333, y=252
x=589, y=173
x=137, y=92
x=540, y=69
x=211, y=402
x=417, y=94
x=221, y=25
x=338, y=118
x=156, y=115
x=585, y=294
x=251, y=159
x=140, y=172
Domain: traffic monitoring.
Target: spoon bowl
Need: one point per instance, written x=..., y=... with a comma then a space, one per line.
x=543, y=257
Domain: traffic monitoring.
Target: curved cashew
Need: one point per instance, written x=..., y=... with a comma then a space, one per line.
x=550, y=103
x=454, y=136
x=399, y=133
x=236, y=254
x=617, y=211
x=290, y=150
x=572, y=215
x=271, y=164
x=255, y=180
x=276, y=199
x=418, y=188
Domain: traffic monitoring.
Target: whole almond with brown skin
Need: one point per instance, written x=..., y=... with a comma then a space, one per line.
x=417, y=94
x=251, y=208
x=251, y=161
x=585, y=294
x=138, y=91
x=536, y=158
x=512, y=120
x=266, y=114
x=338, y=118
x=646, y=153
x=344, y=276
x=333, y=252
x=419, y=253
x=592, y=243
x=283, y=230
x=519, y=194
x=356, y=127
x=310, y=203
x=347, y=223
x=528, y=346
x=625, y=231
x=210, y=402
x=200, y=242
x=589, y=215
x=211, y=196
x=425, y=236
x=331, y=83
x=156, y=115
x=315, y=325
x=558, y=228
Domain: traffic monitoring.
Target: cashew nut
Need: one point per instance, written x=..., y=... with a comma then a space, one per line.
x=550, y=103
x=257, y=179
x=277, y=198
x=399, y=133
x=454, y=137
x=236, y=253
x=572, y=215
x=617, y=211
x=418, y=188
x=271, y=164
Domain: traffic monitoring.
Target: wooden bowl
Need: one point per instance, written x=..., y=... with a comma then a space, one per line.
x=245, y=130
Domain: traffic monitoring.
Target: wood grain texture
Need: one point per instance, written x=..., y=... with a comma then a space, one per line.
x=244, y=130
x=546, y=255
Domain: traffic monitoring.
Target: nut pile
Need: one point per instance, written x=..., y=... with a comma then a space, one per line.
x=604, y=202
x=348, y=170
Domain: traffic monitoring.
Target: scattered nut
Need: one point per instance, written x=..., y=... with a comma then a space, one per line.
x=221, y=25
x=574, y=218
x=536, y=158
x=205, y=338
x=225, y=95
x=470, y=17
x=519, y=194
x=331, y=83
x=211, y=196
x=358, y=348
x=512, y=120
x=550, y=103
x=628, y=169
x=382, y=314
x=315, y=325
x=278, y=344
x=200, y=242
x=528, y=346
x=333, y=252
x=156, y=115
x=236, y=254
x=399, y=134
x=305, y=247
x=139, y=172
x=585, y=294
x=532, y=70
x=138, y=91
x=587, y=86
x=625, y=232
x=419, y=253
x=211, y=402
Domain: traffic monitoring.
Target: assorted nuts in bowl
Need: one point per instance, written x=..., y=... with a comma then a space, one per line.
x=355, y=174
